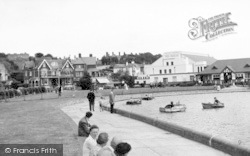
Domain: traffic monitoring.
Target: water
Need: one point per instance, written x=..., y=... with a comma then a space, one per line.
x=231, y=123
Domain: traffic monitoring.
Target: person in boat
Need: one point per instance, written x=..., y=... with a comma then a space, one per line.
x=171, y=105
x=216, y=101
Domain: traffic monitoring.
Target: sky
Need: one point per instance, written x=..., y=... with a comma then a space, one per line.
x=69, y=27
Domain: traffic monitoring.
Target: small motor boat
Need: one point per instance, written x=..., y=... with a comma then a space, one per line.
x=212, y=105
x=147, y=97
x=175, y=108
x=133, y=102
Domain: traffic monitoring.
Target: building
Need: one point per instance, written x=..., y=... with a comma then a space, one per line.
x=50, y=73
x=85, y=64
x=132, y=68
x=227, y=71
x=176, y=67
x=4, y=74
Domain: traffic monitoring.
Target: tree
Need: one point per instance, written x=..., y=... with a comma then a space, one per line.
x=39, y=55
x=49, y=55
x=130, y=80
x=19, y=76
x=85, y=82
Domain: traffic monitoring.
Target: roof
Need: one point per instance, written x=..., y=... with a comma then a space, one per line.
x=53, y=64
x=236, y=65
x=102, y=80
x=85, y=60
x=198, y=58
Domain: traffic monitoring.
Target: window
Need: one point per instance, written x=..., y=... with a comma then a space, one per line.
x=26, y=73
x=169, y=71
x=67, y=65
x=167, y=63
x=198, y=69
x=44, y=65
x=172, y=63
x=30, y=73
x=160, y=71
x=216, y=76
x=165, y=71
x=214, y=68
x=77, y=74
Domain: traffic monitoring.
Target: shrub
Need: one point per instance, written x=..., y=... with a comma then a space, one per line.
x=187, y=83
x=43, y=89
x=207, y=84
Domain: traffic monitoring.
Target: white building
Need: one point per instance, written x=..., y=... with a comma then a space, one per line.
x=133, y=69
x=177, y=67
x=3, y=73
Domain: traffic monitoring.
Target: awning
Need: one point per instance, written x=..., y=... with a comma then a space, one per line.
x=102, y=80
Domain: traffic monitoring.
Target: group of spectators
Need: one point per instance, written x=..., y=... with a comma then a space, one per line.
x=96, y=144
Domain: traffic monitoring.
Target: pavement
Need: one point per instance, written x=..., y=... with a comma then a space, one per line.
x=145, y=139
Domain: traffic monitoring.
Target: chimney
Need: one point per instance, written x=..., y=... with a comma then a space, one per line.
x=113, y=54
x=107, y=53
x=80, y=55
x=119, y=53
x=90, y=55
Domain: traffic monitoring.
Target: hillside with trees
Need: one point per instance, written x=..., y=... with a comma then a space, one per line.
x=146, y=58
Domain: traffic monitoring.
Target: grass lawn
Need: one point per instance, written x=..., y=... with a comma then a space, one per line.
x=37, y=121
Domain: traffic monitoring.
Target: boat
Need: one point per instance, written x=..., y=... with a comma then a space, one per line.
x=134, y=102
x=147, y=97
x=212, y=105
x=176, y=108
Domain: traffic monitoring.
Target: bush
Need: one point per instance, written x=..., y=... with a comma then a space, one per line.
x=187, y=83
x=207, y=84
x=43, y=89
x=15, y=84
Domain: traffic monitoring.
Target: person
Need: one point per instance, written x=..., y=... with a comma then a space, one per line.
x=101, y=103
x=90, y=141
x=91, y=98
x=216, y=101
x=84, y=126
x=59, y=91
x=171, y=105
x=126, y=86
x=114, y=142
x=112, y=100
x=101, y=142
x=122, y=149
x=105, y=152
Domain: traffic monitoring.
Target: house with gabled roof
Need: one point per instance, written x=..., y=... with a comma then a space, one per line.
x=50, y=73
x=85, y=64
x=227, y=71
x=175, y=66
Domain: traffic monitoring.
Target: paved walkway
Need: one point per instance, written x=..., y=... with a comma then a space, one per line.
x=145, y=139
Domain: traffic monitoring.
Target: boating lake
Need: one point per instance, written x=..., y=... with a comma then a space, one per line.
x=231, y=123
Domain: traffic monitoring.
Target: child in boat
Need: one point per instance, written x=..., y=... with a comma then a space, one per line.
x=216, y=101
